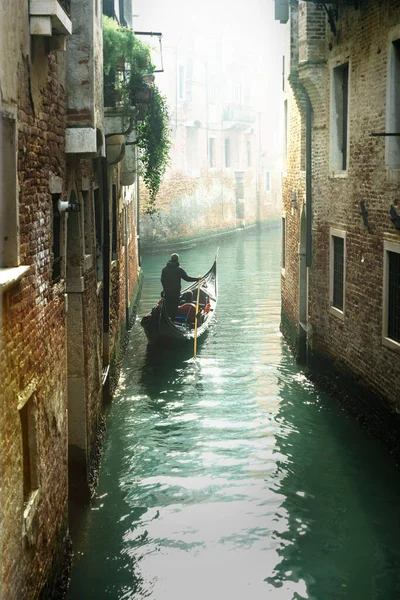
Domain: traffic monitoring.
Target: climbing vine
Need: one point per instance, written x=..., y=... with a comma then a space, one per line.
x=128, y=60
x=154, y=143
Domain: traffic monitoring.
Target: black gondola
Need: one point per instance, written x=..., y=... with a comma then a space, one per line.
x=158, y=327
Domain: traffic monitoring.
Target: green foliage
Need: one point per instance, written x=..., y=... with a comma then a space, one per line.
x=121, y=47
x=130, y=60
x=154, y=143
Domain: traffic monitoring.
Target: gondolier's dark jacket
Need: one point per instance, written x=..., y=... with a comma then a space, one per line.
x=171, y=276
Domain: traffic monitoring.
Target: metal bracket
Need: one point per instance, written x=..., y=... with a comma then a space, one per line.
x=332, y=13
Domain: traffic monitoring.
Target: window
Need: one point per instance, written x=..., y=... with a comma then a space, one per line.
x=267, y=181
x=249, y=154
x=9, y=247
x=393, y=110
x=285, y=134
x=227, y=153
x=30, y=455
x=337, y=272
x=181, y=82
x=56, y=246
x=283, y=247
x=98, y=217
x=211, y=152
x=391, y=295
x=339, y=117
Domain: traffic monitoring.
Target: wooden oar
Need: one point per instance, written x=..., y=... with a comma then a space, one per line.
x=195, y=320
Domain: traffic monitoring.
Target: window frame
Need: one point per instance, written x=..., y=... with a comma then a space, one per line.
x=340, y=233
x=393, y=170
x=9, y=209
x=388, y=246
x=335, y=156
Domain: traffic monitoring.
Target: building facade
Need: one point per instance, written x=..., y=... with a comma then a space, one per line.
x=341, y=203
x=215, y=179
x=69, y=273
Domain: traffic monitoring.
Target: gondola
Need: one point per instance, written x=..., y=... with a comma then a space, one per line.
x=159, y=328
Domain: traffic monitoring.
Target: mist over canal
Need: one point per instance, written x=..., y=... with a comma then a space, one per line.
x=234, y=478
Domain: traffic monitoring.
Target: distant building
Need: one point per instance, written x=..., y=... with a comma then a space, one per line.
x=213, y=182
x=341, y=202
x=69, y=274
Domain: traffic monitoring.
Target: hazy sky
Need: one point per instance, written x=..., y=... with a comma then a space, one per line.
x=250, y=25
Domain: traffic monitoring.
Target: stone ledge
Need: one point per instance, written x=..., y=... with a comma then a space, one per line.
x=10, y=276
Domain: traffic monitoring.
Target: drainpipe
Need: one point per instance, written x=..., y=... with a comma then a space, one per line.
x=308, y=180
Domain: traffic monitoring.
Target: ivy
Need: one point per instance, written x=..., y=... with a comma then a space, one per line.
x=130, y=60
x=154, y=143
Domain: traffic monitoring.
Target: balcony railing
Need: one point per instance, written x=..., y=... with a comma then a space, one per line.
x=238, y=113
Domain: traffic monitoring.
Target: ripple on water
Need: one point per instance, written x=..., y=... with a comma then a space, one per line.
x=231, y=477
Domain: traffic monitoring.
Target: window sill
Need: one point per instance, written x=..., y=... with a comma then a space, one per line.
x=30, y=525
x=393, y=175
x=339, y=174
x=337, y=312
x=10, y=276
x=391, y=344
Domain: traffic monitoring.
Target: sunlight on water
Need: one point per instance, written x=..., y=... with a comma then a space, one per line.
x=231, y=477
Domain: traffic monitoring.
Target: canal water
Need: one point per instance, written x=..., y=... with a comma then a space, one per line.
x=232, y=477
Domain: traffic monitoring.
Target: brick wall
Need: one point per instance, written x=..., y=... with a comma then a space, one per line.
x=33, y=352
x=353, y=343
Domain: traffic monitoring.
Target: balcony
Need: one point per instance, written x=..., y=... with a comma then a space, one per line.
x=48, y=17
x=238, y=116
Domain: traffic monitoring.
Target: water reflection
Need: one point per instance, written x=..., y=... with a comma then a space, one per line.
x=232, y=477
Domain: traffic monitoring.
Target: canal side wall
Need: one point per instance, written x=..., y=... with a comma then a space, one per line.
x=293, y=199
x=125, y=294
x=33, y=422
x=190, y=207
x=353, y=203
x=85, y=323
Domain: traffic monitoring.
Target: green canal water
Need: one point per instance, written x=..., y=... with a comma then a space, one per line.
x=233, y=477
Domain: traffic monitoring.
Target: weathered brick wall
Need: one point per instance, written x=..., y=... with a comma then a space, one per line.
x=355, y=343
x=188, y=206
x=293, y=182
x=33, y=353
x=92, y=320
x=123, y=285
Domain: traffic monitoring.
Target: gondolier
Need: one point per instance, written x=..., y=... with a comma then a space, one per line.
x=171, y=277
x=162, y=329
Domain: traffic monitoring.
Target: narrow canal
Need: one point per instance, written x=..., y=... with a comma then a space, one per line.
x=233, y=478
